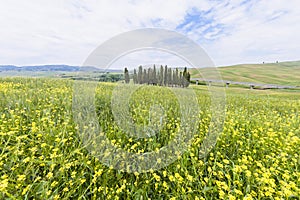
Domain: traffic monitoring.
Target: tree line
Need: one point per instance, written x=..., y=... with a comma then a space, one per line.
x=165, y=76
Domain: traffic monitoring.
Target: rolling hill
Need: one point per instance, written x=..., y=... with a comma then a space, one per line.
x=282, y=73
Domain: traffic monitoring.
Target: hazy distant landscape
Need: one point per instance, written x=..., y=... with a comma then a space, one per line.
x=281, y=73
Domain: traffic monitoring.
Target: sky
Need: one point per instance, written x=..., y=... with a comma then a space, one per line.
x=38, y=32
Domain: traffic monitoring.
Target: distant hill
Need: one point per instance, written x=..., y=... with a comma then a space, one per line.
x=282, y=73
x=51, y=68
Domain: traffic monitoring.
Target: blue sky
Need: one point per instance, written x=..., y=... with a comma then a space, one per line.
x=67, y=31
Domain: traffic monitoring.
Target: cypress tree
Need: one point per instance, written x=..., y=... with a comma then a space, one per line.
x=166, y=76
x=150, y=76
x=174, y=78
x=184, y=72
x=161, y=76
x=184, y=77
x=135, y=81
x=169, y=77
x=126, y=75
x=177, y=82
x=158, y=78
x=180, y=79
x=188, y=79
x=154, y=78
x=145, y=77
x=140, y=75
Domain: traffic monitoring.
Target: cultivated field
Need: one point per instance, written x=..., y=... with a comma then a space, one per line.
x=41, y=155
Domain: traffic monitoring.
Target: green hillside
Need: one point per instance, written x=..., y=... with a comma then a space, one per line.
x=284, y=73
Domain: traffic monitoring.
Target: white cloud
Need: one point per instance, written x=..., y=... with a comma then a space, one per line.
x=262, y=31
x=56, y=31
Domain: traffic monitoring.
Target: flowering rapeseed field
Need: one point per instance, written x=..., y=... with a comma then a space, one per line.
x=41, y=156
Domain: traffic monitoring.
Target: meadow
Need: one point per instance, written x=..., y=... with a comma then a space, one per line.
x=42, y=156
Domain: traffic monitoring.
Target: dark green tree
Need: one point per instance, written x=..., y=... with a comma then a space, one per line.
x=177, y=80
x=135, y=81
x=188, y=79
x=166, y=76
x=126, y=75
x=174, y=78
x=169, y=77
x=184, y=72
x=180, y=79
x=150, y=76
x=161, y=76
x=145, y=77
x=140, y=75
x=154, y=77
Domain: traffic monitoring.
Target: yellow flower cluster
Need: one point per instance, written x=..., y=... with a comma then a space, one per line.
x=41, y=156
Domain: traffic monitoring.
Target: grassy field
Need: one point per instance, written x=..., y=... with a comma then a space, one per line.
x=42, y=156
x=284, y=73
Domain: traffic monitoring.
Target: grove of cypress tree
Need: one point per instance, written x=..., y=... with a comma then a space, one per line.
x=165, y=77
